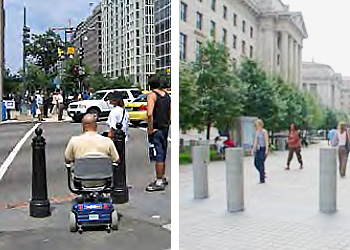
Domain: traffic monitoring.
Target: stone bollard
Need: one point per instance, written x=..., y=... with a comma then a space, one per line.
x=200, y=161
x=39, y=204
x=182, y=145
x=120, y=194
x=328, y=180
x=234, y=179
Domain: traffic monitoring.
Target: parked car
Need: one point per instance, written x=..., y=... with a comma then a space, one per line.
x=137, y=109
x=99, y=104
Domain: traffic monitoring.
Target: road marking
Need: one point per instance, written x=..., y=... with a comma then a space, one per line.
x=14, y=152
x=167, y=226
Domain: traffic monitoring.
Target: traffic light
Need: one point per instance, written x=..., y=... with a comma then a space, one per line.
x=60, y=54
x=81, y=53
x=75, y=70
x=71, y=52
x=26, y=34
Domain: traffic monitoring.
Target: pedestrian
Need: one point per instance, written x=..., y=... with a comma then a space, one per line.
x=46, y=105
x=33, y=105
x=260, y=148
x=342, y=141
x=331, y=135
x=294, y=145
x=40, y=105
x=53, y=109
x=60, y=105
x=158, y=113
x=118, y=116
x=18, y=102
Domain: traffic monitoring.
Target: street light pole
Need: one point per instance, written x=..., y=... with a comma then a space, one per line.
x=2, y=26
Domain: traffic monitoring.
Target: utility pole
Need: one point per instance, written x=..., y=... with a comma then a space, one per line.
x=2, y=43
x=25, y=41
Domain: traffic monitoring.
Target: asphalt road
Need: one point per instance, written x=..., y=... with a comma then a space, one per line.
x=143, y=217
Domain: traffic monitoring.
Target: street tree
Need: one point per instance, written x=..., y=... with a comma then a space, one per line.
x=219, y=92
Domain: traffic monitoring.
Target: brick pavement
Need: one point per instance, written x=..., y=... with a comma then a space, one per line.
x=281, y=214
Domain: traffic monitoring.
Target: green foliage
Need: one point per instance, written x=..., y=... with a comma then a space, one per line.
x=315, y=117
x=35, y=78
x=165, y=76
x=98, y=81
x=219, y=93
x=11, y=82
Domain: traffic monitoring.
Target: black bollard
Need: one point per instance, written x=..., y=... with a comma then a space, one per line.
x=120, y=194
x=39, y=204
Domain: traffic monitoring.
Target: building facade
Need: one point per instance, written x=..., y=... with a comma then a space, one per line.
x=128, y=46
x=162, y=18
x=345, y=95
x=321, y=80
x=263, y=30
x=88, y=35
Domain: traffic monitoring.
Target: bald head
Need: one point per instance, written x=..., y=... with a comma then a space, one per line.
x=89, y=123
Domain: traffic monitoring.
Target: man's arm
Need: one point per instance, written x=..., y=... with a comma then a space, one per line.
x=69, y=153
x=113, y=153
x=151, y=98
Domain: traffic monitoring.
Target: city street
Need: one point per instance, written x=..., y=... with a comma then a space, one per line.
x=283, y=213
x=145, y=222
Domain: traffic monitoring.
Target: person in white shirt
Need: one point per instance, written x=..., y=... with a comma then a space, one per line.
x=118, y=115
x=40, y=105
x=60, y=106
x=342, y=141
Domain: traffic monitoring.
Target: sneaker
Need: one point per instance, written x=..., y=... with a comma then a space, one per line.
x=153, y=186
x=165, y=181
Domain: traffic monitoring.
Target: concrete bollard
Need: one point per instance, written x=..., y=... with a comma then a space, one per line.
x=328, y=180
x=200, y=161
x=234, y=179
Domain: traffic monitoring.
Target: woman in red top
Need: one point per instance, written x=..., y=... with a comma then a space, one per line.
x=294, y=145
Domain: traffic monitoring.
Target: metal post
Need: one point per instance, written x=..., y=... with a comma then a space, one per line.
x=80, y=64
x=39, y=204
x=234, y=179
x=2, y=26
x=200, y=159
x=120, y=195
x=24, y=53
x=328, y=180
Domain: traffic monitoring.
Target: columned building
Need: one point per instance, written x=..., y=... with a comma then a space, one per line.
x=128, y=39
x=321, y=80
x=345, y=95
x=263, y=30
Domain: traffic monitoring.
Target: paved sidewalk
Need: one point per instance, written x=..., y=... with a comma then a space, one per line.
x=281, y=214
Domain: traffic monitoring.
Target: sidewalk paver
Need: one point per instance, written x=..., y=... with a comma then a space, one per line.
x=281, y=214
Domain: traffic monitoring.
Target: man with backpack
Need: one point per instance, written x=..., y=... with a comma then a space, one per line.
x=158, y=113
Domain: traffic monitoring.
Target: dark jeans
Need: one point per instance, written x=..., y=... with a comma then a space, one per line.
x=259, y=162
x=297, y=151
x=160, y=141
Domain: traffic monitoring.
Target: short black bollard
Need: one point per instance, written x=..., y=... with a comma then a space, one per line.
x=120, y=194
x=39, y=204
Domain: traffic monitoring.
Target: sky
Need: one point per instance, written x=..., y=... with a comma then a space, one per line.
x=41, y=14
x=327, y=24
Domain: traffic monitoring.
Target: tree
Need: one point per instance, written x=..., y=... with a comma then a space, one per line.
x=315, y=116
x=42, y=50
x=11, y=82
x=218, y=91
x=35, y=78
x=167, y=79
x=261, y=94
x=331, y=120
x=98, y=81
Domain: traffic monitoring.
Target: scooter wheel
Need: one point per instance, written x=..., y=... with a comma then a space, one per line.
x=72, y=222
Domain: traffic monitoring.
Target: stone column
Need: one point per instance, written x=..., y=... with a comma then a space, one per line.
x=300, y=64
x=290, y=59
x=296, y=63
x=284, y=55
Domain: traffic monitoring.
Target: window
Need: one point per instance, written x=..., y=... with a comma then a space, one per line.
x=182, y=47
x=243, y=26
x=224, y=34
x=183, y=11
x=212, y=29
x=234, y=19
x=251, y=52
x=225, y=12
x=279, y=41
x=243, y=47
x=313, y=88
x=278, y=59
x=198, y=51
x=213, y=4
x=234, y=41
x=251, y=32
x=199, y=20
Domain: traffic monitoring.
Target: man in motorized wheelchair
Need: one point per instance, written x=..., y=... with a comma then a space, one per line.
x=92, y=156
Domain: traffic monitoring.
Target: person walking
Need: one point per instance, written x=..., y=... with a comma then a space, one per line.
x=33, y=105
x=260, y=148
x=40, y=105
x=158, y=114
x=331, y=135
x=60, y=106
x=294, y=145
x=342, y=141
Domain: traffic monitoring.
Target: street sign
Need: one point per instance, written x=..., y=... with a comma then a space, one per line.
x=9, y=104
x=167, y=70
x=70, y=50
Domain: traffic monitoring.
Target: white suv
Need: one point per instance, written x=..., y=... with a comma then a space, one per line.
x=99, y=104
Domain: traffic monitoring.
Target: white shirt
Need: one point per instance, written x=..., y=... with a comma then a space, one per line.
x=59, y=98
x=39, y=99
x=342, y=138
x=115, y=116
x=54, y=99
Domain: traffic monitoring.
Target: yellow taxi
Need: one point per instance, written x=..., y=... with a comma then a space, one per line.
x=138, y=108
